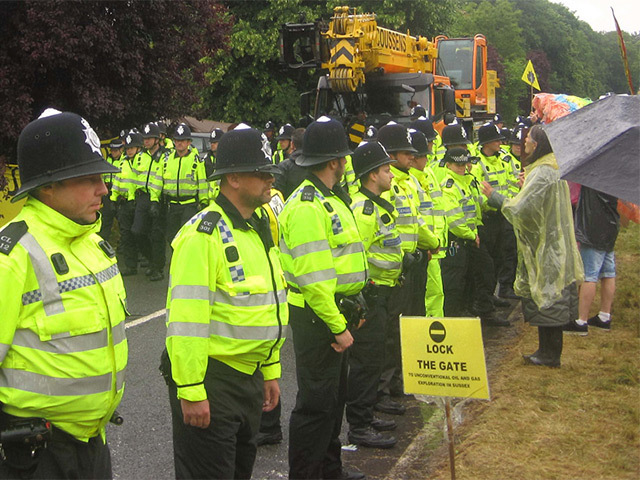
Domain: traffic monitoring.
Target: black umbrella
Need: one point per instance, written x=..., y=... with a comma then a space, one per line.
x=599, y=146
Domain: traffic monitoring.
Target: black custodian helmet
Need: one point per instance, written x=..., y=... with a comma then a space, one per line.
x=324, y=140
x=454, y=134
x=489, y=132
x=395, y=138
x=216, y=135
x=150, y=130
x=182, y=132
x=243, y=149
x=133, y=139
x=369, y=156
x=285, y=132
x=58, y=146
x=419, y=142
x=424, y=125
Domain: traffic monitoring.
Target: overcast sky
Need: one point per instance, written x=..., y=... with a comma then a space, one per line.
x=597, y=13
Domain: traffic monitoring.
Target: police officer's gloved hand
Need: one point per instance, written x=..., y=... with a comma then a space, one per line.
x=408, y=260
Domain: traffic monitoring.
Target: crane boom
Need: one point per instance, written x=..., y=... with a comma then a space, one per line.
x=357, y=45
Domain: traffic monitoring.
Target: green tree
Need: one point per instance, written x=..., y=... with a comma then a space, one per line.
x=117, y=63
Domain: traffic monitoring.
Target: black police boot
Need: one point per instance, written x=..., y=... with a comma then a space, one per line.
x=270, y=438
x=386, y=405
x=383, y=425
x=351, y=475
x=156, y=276
x=368, y=437
x=499, y=302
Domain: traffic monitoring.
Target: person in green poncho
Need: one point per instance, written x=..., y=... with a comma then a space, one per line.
x=549, y=265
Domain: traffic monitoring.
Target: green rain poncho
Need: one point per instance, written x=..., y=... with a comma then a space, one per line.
x=548, y=256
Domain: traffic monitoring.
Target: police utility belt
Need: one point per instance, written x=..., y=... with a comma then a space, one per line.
x=353, y=307
x=181, y=200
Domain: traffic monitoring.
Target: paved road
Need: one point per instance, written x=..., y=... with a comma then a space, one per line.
x=142, y=447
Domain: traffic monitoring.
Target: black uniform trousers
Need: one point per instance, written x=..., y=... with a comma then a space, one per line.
x=316, y=420
x=391, y=378
x=64, y=458
x=226, y=449
x=491, y=237
x=150, y=231
x=456, y=272
x=127, y=247
x=417, y=277
x=366, y=358
x=507, y=271
x=177, y=215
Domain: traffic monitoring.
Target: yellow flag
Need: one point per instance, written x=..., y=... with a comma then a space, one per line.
x=529, y=76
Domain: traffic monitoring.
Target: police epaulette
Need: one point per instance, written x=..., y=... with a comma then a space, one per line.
x=208, y=222
x=368, y=207
x=11, y=235
x=449, y=183
x=474, y=183
x=308, y=192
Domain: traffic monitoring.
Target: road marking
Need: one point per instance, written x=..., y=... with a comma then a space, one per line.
x=146, y=318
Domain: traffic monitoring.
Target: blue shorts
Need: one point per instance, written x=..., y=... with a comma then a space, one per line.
x=597, y=264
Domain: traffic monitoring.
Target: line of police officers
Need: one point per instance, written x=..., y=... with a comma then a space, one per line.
x=342, y=268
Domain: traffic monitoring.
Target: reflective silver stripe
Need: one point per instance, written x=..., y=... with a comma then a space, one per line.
x=387, y=265
x=439, y=213
x=348, y=278
x=407, y=220
x=4, y=348
x=347, y=249
x=460, y=221
x=188, y=329
x=120, y=379
x=409, y=237
x=56, y=386
x=244, y=332
x=50, y=294
x=307, y=248
x=314, y=277
x=435, y=194
x=250, y=300
x=386, y=250
x=453, y=211
x=118, y=334
x=199, y=292
x=190, y=292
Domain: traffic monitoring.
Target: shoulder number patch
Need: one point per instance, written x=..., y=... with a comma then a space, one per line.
x=449, y=183
x=368, y=207
x=11, y=235
x=208, y=222
x=308, y=192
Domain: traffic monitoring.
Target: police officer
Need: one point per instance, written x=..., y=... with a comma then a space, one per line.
x=227, y=304
x=108, y=210
x=165, y=142
x=324, y=262
x=453, y=136
x=150, y=229
x=416, y=238
x=375, y=218
x=269, y=131
x=490, y=168
x=513, y=167
x=209, y=158
x=64, y=350
x=123, y=194
x=284, y=144
x=291, y=174
x=183, y=181
x=430, y=196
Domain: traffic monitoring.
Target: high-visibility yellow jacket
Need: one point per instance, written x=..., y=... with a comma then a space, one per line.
x=148, y=171
x=460, y=205
x=124, y=182
x=322, y=253
x=430, y=206
x=414, y=232
x=63, y=349
x=492, y=170
x=222, y=302
x=349, y=181
x=375, y=218
x=183, y=179
x=512, y=167
x=116, y=162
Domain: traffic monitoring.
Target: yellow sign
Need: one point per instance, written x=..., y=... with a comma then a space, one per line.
x=443, y=357
x=9, y=210
x=529, y=76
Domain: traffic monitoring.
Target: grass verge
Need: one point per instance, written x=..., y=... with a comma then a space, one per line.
x=579, y=421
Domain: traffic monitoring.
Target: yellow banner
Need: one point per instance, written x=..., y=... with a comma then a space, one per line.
x=529, y=76
x=443, y=357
